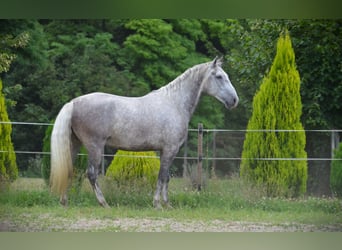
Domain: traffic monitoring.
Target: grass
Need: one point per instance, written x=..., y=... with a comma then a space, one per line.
x=28, y=205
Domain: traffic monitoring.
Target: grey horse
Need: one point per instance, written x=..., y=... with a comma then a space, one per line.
x=157, y=121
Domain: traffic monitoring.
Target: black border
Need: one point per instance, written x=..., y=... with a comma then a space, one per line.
x=171, y=241
x=13, y=9
x=170, y=9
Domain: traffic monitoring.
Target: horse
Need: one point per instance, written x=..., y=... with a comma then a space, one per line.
x=157, y=121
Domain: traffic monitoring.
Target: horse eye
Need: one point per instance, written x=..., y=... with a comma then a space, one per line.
x=219, y=76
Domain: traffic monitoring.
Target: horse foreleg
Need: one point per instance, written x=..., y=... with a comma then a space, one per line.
x=161, y=189
x=94, y=163
x=163, y=181
x=156, y=198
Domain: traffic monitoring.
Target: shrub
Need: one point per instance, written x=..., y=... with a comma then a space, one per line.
x=134, y=168
x=336, y=172
x=8, y=164
x=277, y=105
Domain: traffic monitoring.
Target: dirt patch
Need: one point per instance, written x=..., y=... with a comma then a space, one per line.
x=44, y=223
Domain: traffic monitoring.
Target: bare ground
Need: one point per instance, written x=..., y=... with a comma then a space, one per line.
x=46, y=223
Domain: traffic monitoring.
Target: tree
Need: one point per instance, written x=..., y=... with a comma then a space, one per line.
x=277, y=105
x=7, y=45
x=70, y=58
x=8, y=165
x=153, y=51
x=22, y=87
x=67, y=58
x=318, y=47
x=336, y=172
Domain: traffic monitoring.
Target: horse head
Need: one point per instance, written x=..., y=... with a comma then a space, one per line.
x=218, y=85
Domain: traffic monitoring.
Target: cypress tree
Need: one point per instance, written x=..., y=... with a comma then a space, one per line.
x=8, y=165
x=277, y=105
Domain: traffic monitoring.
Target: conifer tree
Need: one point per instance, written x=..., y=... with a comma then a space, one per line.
x=8, y=165
x=277, y=106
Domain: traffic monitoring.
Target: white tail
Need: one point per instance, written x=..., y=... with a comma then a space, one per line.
x=61, y=159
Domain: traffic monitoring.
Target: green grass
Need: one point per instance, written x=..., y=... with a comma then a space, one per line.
x=29, y=201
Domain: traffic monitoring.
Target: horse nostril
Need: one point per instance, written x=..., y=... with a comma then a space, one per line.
x=235, y=101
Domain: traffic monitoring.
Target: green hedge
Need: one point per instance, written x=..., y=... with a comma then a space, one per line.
x=336, y=172
x=129, y=168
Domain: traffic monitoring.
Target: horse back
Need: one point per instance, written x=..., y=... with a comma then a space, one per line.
x=131, y=123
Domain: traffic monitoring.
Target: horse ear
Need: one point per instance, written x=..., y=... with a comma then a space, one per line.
x=217, y=61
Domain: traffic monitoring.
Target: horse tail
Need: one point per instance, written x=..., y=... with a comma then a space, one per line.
x=61, y=159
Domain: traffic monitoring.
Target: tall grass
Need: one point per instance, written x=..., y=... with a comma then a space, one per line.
x=220, y=196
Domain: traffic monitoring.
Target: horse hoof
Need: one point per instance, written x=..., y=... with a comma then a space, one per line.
x=157, y=205
x=104, y=205
x=64, y=201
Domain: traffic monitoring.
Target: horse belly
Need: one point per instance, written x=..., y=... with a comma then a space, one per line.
x=135, y=139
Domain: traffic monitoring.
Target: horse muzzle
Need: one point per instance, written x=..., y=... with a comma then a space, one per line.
x=232, y=103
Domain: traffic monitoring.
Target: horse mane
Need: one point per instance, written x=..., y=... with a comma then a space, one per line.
x=195, y=71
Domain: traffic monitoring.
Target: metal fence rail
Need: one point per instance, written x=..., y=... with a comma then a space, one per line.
x=194, y=157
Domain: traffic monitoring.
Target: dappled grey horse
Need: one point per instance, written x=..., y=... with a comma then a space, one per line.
x=157, y=121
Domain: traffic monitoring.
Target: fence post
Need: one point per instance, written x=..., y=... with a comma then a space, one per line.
x=200, y=156
x=185, y=162
x=102, y=166
x=334, y=142
x=213, y=168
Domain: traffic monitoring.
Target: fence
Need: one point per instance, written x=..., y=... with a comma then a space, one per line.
x=220, y=151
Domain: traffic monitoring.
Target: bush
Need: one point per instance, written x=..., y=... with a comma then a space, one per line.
x=277, y=105
x=46, y=157
x=8, y=164
x=134, y=168
x=336, y=172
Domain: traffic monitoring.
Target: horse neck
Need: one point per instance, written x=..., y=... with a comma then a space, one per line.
x=185, y=91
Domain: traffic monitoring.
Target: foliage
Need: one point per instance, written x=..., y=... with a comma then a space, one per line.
x=8, y=165
x=7, y=45
x=318, y=46
x=134, y=168
x=277, y=105
x=249, y=59
x=134, y=56
x=336, y=172
x=46, y=157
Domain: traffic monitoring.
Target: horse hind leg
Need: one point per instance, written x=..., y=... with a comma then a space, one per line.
x=94, y=162
x=63, y=200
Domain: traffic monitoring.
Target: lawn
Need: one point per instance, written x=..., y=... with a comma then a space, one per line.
x=223, y=205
